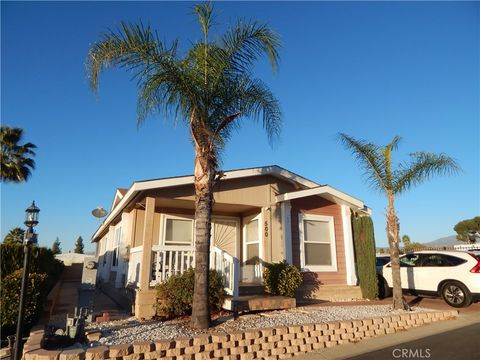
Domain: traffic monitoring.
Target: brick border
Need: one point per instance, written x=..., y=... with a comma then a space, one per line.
x=271, y=343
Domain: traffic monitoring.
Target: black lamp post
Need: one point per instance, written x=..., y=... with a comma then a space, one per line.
x=31, y=220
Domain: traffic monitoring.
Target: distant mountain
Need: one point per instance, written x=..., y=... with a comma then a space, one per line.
x=445, y=241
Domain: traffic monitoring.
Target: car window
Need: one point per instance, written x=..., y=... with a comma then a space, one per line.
x=410, y=260
x=442, y=260
x=382, y=261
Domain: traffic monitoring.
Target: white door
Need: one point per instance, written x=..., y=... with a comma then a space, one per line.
x=251, y=264
x=225, y=232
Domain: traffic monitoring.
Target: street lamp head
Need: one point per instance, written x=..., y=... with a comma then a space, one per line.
x=31, y=215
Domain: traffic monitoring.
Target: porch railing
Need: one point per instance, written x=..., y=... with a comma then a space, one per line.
x=172, y=260
x=229, y=267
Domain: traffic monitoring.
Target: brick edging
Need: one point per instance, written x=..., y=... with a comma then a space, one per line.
x=271, y=343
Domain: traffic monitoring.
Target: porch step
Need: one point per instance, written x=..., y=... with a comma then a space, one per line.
x=259, y=303
x=250, y=289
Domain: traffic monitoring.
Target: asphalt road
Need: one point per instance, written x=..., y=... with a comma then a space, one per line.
x=458, y=344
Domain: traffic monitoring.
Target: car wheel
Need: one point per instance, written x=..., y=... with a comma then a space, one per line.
x=456, y=294
x=383, y=290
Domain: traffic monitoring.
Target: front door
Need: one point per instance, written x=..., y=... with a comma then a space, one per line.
x=224, y=234
x=251, y=265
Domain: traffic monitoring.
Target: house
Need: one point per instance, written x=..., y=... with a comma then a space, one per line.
x=260, y=215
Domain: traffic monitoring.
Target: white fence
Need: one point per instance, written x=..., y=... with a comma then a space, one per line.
x=173, y=260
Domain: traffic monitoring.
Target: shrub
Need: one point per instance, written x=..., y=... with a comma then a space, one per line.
x=10, y=299
x=282, y=279
x=175, y=296
x=364, y=240
x=42, y=261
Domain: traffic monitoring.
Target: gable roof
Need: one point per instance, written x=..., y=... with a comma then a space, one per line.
x=329, y=193
x=122, y=200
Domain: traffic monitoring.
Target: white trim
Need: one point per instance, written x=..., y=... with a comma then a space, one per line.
x=348, y=245
x=185, y=180
x=286, y=210
x=333, y=251
x=330, y=193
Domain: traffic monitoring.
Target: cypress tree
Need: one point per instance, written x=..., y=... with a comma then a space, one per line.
x=364, y=240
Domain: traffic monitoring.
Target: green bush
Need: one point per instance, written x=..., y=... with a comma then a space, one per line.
x=282, y=279
x=42, y=261
x=10, y=299
x=175, y=296
x=44, y=272
x=364, y=240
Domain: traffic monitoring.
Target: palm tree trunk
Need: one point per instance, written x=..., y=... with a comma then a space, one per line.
x=204, y=181
x=393, y=239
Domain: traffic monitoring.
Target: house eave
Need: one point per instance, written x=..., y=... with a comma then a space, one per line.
x=329, y=193
x=139, y=186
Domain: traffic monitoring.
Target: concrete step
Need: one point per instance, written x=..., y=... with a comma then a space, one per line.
x=329, y=292
x=259, y=303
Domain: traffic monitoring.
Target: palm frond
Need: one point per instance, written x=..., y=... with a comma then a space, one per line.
x=244, y=44
x=204, y=12
x=132, y=46
x=369, y=157
x=422, y=166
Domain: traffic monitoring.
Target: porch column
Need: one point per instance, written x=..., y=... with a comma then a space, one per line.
x=348, y=243
x=287, y=229
x=147, y=243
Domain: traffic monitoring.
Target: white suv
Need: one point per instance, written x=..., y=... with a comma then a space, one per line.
x=453, y=275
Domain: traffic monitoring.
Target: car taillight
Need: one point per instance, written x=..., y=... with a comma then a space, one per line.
x=476, y=268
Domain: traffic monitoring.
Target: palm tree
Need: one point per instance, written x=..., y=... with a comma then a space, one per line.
x=16, y=165
x=14, y=236
x=376, y=162
x=210, y=87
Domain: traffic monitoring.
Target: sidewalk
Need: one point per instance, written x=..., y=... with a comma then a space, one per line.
x=369, y=345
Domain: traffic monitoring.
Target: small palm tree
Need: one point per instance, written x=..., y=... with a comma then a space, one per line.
x=210, y=87
x=16, y=165
x=376, y=162
x=14, y=236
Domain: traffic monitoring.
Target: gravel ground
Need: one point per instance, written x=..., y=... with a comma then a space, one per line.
x=131, y=330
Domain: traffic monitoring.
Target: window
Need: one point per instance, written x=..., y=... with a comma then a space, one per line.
x=442, y=260
x=178, y=231
x=116, y=245
x=411, y=260
x=317, y=243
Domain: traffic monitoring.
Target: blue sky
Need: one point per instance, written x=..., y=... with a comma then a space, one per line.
x=369, y=69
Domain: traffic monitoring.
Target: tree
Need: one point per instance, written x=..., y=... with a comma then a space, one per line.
x=16, y=163
x=56, y=246
x=14, y=236
x=79, y=246
x=406, y=240
x=210, y=87
x=376, y=162
x=413, y=247
x=468, y=230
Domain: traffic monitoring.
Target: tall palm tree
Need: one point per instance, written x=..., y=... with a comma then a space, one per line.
x=14, y=236
x=376, y=162
x=16, y=163
x=210, y=87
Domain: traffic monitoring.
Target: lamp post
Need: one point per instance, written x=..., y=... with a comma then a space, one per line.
x=31, y=220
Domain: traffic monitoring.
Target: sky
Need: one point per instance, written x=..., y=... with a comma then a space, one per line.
x=372, y=70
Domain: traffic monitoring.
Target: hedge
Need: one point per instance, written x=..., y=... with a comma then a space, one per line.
x=364, y=240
